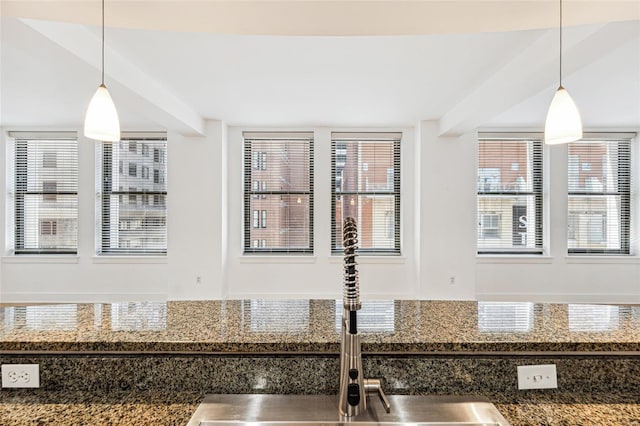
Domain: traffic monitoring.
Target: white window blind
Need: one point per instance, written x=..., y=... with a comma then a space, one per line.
x=365, y=185
x=509, y=186
x=278, y=192
x=599, y=181
x=43, y=194
x=132, y=203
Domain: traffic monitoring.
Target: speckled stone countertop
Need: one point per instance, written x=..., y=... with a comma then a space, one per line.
x=299, y=327
x=158, y=408
x=311, y=326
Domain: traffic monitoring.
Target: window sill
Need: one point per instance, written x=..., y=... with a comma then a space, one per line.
x=285, y=258
x=40, y=259
x=513, y=259
x=612, y=260
x=372, y=260
x=142, y=260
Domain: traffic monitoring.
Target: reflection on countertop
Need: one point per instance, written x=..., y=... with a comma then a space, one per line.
x=312, y=326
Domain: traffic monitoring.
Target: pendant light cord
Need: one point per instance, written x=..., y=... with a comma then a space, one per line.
x=560, y=42
x=103, y=42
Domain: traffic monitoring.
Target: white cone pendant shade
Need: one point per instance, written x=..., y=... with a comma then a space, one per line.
x=101, y=122
x=563, y=123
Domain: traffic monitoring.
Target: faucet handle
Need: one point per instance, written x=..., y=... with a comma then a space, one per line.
x=373, y=385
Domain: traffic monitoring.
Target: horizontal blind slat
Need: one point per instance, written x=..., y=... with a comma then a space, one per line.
x=278, y=192
x=132, y=195
x=599, y=184
x=43, y=203
x=366, y=178
x=509, y=188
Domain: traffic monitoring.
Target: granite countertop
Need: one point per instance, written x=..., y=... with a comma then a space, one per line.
x=311, y=326
x=157, y=408
x=307, y=327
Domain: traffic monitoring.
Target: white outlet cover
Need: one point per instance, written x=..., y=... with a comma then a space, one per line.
x=21, y=375
x=537, y=377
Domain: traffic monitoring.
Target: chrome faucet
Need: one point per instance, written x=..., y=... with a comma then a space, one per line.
x=353, y=386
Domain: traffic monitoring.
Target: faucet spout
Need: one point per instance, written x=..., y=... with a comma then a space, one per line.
x=353, y=386
x=352, y=396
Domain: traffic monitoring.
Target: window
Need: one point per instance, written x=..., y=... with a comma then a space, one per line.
x=133, y=195
x=48, y=227
x=158, y=155
x=599, y=181
x=490, y=226
x=50, y=159
x=42, y=199
x=49, y=189
x=133, y=169
x=365, y=173
x=283, y=192
x=133, y=220
x=259, y=187
x=259, y=243
x=509, y=186
x=259, y=160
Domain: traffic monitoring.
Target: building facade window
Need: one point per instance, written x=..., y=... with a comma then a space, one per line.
x=49, y=190
x=509, y=188
x=281, y=192
x=490, y=226
x=599, y=198
x=132, y=221
x=42, y=199
x=365, y=184
x=50, y=159
x=48, y=227
x=259, y=160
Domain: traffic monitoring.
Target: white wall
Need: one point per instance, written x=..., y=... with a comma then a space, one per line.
x=197, y=214
x=205, y=231
x=447, y=214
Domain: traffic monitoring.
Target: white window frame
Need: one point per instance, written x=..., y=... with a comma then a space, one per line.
x=17, y=224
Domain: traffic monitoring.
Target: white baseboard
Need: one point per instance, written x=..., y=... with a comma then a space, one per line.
x=612, y=298
x=36, y=297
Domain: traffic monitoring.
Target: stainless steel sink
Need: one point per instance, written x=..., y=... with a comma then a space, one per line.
x=317, y=410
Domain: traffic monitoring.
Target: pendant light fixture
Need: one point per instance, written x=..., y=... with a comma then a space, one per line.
x=563, y=124
x=101, y=121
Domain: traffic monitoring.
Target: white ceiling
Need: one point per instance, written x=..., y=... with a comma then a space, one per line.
x=164, y=78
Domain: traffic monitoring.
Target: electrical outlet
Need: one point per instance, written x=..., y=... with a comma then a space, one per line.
x=537, y=377
x=21, y=376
